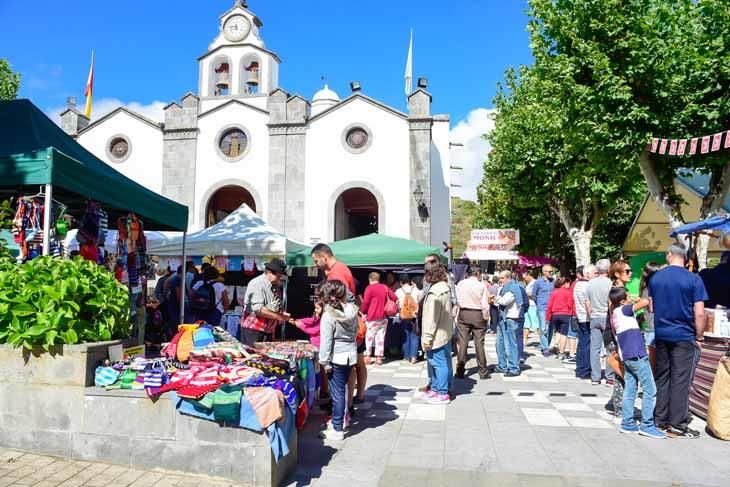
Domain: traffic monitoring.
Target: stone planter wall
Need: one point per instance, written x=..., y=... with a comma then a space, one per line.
x=47, y=406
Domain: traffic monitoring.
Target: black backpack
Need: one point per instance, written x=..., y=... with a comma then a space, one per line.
x=203, y=298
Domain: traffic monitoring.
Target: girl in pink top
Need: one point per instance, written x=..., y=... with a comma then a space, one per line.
x=310, y=326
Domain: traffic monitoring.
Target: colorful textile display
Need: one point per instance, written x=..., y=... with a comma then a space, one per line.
x=288, y=351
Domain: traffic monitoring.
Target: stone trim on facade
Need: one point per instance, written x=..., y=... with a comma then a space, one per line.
x=357, y=125
x=338, y=192
x=356, y=96
x=246, y=149
x=203, y=210
x=139, y=117
x=107, y=147
x=246, y=44
x=233, y=100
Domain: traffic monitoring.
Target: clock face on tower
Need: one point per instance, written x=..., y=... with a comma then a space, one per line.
x=236, y=28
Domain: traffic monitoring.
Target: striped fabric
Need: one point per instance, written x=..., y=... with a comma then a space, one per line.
x=712, y=351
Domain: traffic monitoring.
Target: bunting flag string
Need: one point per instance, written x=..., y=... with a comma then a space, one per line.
x=679, y=147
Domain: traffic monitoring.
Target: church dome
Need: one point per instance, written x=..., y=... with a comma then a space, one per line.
x=324, y=99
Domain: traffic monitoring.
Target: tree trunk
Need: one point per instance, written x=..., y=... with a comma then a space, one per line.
x=661, y=195
x=702, y=242
x=582, y=244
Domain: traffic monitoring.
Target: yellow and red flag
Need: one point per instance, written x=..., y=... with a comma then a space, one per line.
x=89, y=88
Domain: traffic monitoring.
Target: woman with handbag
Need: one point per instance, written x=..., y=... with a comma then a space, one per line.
x=377, y=305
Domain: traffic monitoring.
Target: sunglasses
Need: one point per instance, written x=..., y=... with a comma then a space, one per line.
x=627, y=271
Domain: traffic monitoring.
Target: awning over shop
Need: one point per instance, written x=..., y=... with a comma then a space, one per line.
x=370, y=250
x=495, y=255
x=716, y=223
x=34, y=152
x=242, y=233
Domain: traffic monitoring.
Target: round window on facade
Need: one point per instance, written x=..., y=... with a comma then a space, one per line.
x=233, y=143
x=118, y=148
x=357, y=138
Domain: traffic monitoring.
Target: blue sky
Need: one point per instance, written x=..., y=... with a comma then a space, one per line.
x=146, y=51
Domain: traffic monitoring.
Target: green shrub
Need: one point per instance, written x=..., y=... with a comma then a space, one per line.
x=54, y=301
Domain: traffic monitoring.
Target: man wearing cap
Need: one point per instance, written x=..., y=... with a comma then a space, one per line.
x=262, y=305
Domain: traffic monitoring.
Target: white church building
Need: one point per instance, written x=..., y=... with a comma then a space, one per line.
x=318, y=170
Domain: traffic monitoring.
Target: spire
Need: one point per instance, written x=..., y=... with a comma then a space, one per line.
x=409, y=68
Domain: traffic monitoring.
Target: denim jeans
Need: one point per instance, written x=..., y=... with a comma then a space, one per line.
x=544, y=330
x=410, y=344
x=649, y=338
x=440, y=362
x=507, y=345
x=583, y=352
x=338, y=391
x=520, y=339
x=637, y=371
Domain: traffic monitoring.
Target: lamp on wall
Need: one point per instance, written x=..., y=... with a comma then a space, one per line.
x=423, y=83
x=420, y=202
x=355, y=86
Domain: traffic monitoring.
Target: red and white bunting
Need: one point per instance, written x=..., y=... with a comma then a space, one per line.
x=673, y=147
x=681, y=147
x=716, y=142
x=705, y=144
x=678, y=147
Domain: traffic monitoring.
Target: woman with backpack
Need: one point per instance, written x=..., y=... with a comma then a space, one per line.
x=408, y=298
x=209, y=297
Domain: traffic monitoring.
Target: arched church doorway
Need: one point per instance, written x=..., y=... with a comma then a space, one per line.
x=225, y=201
x=356, y=214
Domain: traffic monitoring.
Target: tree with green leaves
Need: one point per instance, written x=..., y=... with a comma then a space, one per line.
x=9, y=81
x=462, y=223
x=533, y=167
x=634, y=69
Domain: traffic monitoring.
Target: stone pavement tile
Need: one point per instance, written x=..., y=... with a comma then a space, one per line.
x=404, y=477
x=432, y=459
x=127, y=477
x=544, y=417
x=168, y=481
x=588, y=422
x=148, y=479
x=571, y=454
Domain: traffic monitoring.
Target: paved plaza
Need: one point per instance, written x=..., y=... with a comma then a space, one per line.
x=544, y=428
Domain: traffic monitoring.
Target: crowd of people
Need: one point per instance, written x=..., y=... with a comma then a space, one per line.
x=650, y=341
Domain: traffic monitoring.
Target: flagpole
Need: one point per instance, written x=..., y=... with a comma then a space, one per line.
x=89, y=91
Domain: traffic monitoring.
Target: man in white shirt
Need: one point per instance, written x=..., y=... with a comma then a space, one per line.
x=580, y=296
x=473, y=302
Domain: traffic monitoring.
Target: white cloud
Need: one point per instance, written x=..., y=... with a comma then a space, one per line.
x=471, y=157
x=101, y=107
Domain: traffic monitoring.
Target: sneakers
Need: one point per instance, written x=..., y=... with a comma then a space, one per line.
x=569, y=360
x=546, y=353
x=595, y=382
x=512, y=374
x=332, y=434
x=436, y=398
x=609, y=382
x=629, y=429
x=685, y=433
x=498, y=370
x=652, y=432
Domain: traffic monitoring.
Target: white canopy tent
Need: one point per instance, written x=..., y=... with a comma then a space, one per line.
x=110, y=243
x=242, y=233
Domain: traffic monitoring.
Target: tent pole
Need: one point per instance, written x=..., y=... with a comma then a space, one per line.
x=183, y=288
x=47, y=209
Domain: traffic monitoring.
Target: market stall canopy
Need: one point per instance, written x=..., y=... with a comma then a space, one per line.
x=496, y=255
x=242, y=233
x=719, y=223
x=370, y=250
x=110, y=243
x=34, y=152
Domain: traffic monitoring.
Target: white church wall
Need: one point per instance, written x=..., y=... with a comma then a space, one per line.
x=384, y=166
x=440, y=184
x=213, y=171
x=144, y=163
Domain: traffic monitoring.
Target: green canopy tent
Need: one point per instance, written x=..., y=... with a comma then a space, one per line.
x=370, y=250
x=35, y=152
x=637, y=264
x=37, y=156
